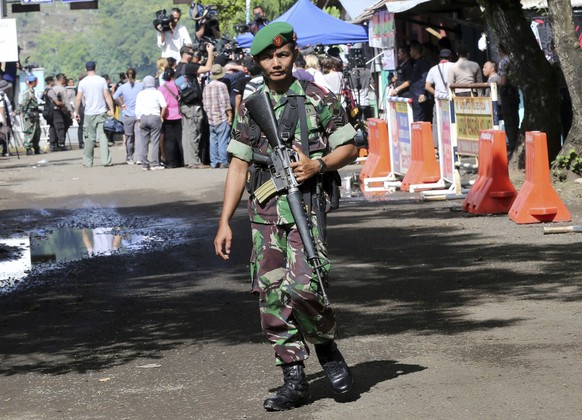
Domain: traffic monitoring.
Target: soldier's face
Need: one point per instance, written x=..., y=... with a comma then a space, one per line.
x=277, y=63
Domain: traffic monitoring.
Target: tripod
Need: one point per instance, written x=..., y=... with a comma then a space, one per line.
x=355, y=108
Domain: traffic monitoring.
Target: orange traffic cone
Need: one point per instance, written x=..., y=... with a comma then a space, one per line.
x=484, y=156
x=537, y=200
x=424, y=167
x=377, y=164
x=495, y=193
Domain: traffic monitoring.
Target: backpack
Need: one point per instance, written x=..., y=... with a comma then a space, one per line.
x=189, y=92
x=48, y=108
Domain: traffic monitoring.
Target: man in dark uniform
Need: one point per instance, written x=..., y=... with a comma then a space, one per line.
x=422, y=102
x=63, y=109
x=292, y=309
x=401, y=80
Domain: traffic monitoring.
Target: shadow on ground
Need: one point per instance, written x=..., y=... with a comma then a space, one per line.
x=389, y=278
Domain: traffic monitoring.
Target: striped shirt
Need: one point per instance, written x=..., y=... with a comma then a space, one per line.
x=216, y=102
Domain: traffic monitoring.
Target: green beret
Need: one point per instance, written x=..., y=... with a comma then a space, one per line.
x=274, y=34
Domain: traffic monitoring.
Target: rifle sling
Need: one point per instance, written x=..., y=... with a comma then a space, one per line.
x=293, y=113
x=307, y=191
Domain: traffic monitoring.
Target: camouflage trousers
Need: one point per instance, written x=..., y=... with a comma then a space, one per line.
x=31, y=130
x=290, y=302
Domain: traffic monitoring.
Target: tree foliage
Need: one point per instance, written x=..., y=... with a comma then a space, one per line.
x=534, y=75
x=118, y=35
x=570, y=53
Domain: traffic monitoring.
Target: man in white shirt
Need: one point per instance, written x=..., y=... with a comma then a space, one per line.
x=150, y=107
x=94, y=91
x=436, y=79
x=436, y=84
x=171, y=41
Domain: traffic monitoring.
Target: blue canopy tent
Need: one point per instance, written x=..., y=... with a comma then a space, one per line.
x=313, y=26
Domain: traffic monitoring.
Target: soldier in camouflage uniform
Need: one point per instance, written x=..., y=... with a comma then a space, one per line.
x=31, y=115
x=292, y=309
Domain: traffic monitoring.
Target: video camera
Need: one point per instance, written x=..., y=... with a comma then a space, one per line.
x=356, y=57
x=204, y=14
x=28, y=66
x=259, y=18
x=241, y=28
x=162, y=19
x=223, y=46
x=200, y=44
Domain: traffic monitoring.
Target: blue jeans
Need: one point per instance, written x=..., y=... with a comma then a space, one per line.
x=219, y=139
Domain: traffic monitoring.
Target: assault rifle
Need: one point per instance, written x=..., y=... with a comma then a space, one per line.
x=283, y=179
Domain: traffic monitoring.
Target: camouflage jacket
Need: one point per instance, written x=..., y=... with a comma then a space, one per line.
x=29, y=105
x=328, y=127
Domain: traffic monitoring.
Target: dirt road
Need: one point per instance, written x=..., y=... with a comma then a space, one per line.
x=442, y=315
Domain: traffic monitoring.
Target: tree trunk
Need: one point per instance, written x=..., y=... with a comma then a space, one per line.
x=531, y=72
x=570, y=53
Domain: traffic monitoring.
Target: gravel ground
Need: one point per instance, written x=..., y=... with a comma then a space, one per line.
x=442, y=314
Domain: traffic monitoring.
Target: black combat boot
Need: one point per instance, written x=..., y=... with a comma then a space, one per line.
x=294, y=392
x=335, y=367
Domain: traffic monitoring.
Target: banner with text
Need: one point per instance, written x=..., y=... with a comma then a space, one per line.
x=472, y=114
x=399, y=120
x=8, y=41
x=446, y=151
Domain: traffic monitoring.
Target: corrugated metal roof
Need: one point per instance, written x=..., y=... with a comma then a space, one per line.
x=403, y=5
x=394, y=6
x=543, y=4
x=354, y=8
x=433, y=6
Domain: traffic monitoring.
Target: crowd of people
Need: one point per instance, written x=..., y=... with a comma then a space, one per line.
x=423, y=76
x=181, y=116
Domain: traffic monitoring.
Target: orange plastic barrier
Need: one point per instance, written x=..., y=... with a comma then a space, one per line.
x=537, y=200
x=424, y=168
x=377, y=164
x=492, y=192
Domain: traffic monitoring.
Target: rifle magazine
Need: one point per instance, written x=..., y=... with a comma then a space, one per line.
x=265, y=191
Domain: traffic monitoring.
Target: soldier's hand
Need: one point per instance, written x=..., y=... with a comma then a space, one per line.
x=223, y=241
x=110, y=113
x=305, y=167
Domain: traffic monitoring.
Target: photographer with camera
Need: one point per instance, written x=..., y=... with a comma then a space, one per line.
x=206, y=20
x=260, y=20
x=171, y=35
